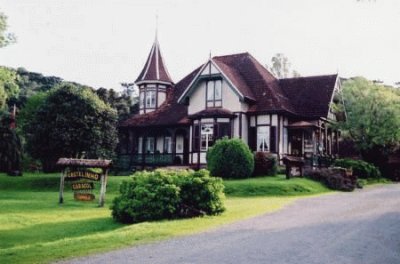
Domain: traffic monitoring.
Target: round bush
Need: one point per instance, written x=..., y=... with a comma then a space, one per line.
x=149, y=196
x=164, y=194
x=230, y=158
x=360, y=168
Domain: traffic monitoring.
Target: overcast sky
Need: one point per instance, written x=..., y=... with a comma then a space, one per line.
x=102, y=43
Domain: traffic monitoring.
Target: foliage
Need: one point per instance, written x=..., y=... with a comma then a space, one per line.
x=124, y=104
x=6, y=38
x=333, y=178
x=71, y=122
x=265, y=164
x=230, y=158
x=10, y=148
x=29, y=110
x=373, y=115
x=8, y=86
x=361, y=169
x=168, y=194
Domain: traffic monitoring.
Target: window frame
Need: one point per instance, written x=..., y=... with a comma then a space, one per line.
x=211, y=86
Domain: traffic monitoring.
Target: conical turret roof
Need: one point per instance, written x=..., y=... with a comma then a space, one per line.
x=154, y=69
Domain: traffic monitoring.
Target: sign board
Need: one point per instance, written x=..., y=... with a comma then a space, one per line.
x=84, y=196
x=82, y=174
x=77, y=169
x=77, y=186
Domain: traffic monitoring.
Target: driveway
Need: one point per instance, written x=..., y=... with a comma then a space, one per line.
x=360, y=227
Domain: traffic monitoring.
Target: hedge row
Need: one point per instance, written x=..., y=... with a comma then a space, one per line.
x=361, y=169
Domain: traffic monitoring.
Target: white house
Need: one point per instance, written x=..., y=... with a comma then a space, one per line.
x=232, y=95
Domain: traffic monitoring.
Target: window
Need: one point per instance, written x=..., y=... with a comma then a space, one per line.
x=196, y=137
x=150, y=145
x=150, y=99
x=207, y=136
x=167, y=145
x=263, y=138
x=214, y=93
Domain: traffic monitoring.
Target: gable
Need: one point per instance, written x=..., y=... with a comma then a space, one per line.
x=208, y=71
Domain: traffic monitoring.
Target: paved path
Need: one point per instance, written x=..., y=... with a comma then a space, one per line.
x=360, y=227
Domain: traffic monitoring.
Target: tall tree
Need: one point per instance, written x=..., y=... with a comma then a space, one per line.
x=373, y=118
x=6, y=38
x=71, y=122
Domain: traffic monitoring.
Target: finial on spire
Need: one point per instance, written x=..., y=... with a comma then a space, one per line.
x=157, y=26
x=210, y=55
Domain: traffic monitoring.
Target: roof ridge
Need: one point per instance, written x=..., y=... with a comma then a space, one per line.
x=309, y=77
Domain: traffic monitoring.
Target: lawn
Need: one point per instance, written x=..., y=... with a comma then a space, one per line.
x=34, y=228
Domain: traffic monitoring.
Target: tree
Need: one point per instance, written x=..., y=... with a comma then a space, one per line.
x=72, y=122
x=10, y=147
x=373, y=118
x=122, y=103
x=6, y=38
x=8, y=86
x=281, y=67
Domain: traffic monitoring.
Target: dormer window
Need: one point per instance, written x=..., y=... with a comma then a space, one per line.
x=214, y=93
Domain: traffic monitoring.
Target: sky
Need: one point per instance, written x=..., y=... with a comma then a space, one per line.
x=103, y=43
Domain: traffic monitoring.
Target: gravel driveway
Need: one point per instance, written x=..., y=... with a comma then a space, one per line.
x=360, y=227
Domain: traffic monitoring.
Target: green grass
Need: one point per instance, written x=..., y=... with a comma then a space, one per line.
x=273, y=186
x=34, y=228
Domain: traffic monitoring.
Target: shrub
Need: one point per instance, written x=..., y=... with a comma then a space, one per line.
x=360, y=168
x=230, y=158
x=163, y=194
x=333, y=178
x=265, y=164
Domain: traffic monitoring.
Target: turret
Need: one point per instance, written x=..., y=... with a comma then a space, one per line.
x=153, y=81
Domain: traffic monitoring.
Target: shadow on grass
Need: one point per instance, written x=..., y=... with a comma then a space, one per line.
x=55, y=231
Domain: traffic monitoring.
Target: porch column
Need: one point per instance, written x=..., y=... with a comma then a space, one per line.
x=144, y=136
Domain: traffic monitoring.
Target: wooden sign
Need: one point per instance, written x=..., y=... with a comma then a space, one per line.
x=84, y=196
x=77, y=186
x=71, y=173
x=82, y=174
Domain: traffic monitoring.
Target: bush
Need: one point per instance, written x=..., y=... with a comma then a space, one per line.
x=361, y=169
x=230, y=158
x=333, y=178
x=163, y=194
x=265, y=164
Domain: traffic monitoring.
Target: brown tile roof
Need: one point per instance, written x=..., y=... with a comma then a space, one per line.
x=154, y=69
x=310, y=96
x=255, y=82
x=212, y=112
x=305, y=96
x=169, y=113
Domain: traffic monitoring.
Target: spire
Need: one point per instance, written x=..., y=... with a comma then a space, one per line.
x=154, y=68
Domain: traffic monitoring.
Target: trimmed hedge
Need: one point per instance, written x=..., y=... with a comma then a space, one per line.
x=163, y=194
x=265, y=164
x=230, y=158
x=361, y=169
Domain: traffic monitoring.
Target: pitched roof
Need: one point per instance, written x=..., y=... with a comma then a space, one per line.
x=255, y=82
x=169, y=113
x=154, y=68
x=310, y=96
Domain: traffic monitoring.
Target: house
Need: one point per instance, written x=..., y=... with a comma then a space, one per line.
x=233, y=96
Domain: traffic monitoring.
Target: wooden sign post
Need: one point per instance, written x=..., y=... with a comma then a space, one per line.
x=74, y=170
